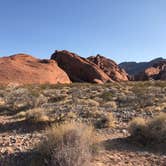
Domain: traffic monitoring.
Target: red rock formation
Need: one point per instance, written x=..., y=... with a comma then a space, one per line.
x=79, y=69
x=110, y=68
x=24, y=69
x=156, y=72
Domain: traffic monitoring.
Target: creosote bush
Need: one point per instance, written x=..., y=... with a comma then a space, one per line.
x=69, y=144
x=149, y=132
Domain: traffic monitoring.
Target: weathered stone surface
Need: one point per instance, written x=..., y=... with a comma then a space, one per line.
x=110, y=68
x=79, y=69
x=156, y=72
x=24, y=69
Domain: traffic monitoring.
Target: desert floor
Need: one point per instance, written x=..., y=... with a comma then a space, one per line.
x=121, y=102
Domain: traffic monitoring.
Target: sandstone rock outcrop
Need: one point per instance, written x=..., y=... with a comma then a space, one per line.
x=156, y=72
x=110, y=68
x=134, y=68
x=24, y=69
x=79, y=69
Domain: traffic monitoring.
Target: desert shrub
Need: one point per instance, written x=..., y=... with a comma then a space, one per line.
x=65, y=117
x=69, y=144
x=57, y=98
x=20, y=99
x=157, y=128
x=21, y=115
x=98, y=118
x=137, y=128
x=36, y=115
x=151, y=131
x=104, y=121
x=107, y=96
x=111, y=105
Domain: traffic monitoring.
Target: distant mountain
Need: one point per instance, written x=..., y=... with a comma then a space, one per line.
x=156, y=72
x=134, y=68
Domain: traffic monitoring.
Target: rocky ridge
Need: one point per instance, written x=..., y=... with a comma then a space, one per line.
x=79, y=69
x=109, y=67
x=156, y=72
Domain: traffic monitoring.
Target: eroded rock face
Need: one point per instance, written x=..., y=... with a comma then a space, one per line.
x=156, y=72
x=110, y=68
x=134, y=68
x=24, y=69
x=79, y=69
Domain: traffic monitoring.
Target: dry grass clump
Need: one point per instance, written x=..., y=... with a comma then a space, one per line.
x=2, y=101
x=151, y=131
x=105, y=121
x=107, y=96
x=98, y=118
x=89, y=102
x=111, y=105
x=65, y=117
x=69, y=144
x=36, y=115
x=157, y=128
x=137, y=128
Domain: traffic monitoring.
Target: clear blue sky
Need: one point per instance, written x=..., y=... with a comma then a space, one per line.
x=123, y=30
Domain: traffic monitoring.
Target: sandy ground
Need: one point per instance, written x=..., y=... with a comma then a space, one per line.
x=17, y=140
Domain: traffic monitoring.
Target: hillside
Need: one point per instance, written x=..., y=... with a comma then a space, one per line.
x=133, y=68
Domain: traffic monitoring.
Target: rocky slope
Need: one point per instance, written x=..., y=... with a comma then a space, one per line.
x=133, y=68
x=25, y=69
x=156, y=72
x=110, y=68
x=79, y=69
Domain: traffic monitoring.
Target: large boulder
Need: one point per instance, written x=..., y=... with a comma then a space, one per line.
x=109, y=67
x=79, y=69
x=25, y=69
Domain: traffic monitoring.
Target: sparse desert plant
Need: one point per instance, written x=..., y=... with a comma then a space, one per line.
x=105, y=121
x=89, y=102
x=137, y=128
x=36, y=115
x=21, y=114
x=69, y=144
x=57, y=98
x=156, y=128
x=90, y=114
x=65, y=117
x=107, y=96
x=149, y=132
x=111, y=105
